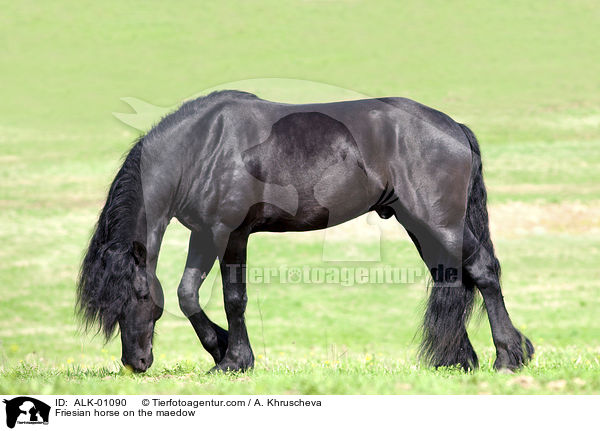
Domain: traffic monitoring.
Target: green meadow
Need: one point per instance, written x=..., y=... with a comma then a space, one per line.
x=524, y=77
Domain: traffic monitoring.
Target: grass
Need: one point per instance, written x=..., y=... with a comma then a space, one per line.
x=321, y=338
x=524, y=77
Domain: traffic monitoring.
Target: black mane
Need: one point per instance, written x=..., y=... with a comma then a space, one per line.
x=192, y=107
x=105, y=281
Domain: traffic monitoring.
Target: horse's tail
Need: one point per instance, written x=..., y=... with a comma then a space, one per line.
x=105, y=281
x=477, y=220
x=445, y=341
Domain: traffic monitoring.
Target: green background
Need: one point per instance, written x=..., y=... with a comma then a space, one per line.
x=524, y=76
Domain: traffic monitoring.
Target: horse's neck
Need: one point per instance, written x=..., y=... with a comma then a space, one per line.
x=150, y=230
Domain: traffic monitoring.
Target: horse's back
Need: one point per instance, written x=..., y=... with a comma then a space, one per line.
x=309, y=166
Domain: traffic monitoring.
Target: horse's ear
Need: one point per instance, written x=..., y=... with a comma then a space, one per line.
x=139, y=253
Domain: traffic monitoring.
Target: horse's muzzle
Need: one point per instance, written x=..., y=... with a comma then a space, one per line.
x=138, y=365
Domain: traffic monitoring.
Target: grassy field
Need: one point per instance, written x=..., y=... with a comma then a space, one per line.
x=524, y=77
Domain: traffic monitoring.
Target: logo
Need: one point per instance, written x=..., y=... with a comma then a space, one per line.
x=26, y=410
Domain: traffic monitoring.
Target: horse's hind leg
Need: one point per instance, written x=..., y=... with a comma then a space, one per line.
x=201, y=256
x=481, y=266
x=445, y=341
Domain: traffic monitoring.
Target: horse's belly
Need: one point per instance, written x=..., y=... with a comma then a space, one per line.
x=317, y=157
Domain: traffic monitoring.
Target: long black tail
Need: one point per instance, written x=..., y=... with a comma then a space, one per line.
x=477, y=220
x=445, y=340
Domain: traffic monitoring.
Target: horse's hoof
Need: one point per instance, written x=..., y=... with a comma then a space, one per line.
x=219, y=369
x=229, y=366
x=517, y=352
x=215, y=370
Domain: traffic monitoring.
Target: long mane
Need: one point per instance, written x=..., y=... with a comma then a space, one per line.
x=105, y=281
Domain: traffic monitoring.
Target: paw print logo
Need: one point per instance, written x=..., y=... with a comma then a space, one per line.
x=294, y=275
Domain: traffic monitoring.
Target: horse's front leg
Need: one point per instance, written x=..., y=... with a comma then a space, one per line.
x=239, y=356
x=201, y=256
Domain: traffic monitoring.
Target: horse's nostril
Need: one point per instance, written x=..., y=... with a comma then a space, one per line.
x=143, y=361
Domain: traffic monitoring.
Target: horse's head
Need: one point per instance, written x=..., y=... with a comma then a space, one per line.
x=115, y=285
x=139, y=315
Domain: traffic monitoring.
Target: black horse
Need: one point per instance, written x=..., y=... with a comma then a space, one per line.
x=230, y=164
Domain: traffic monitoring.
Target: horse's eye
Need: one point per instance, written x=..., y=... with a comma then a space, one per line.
x=142, y=294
